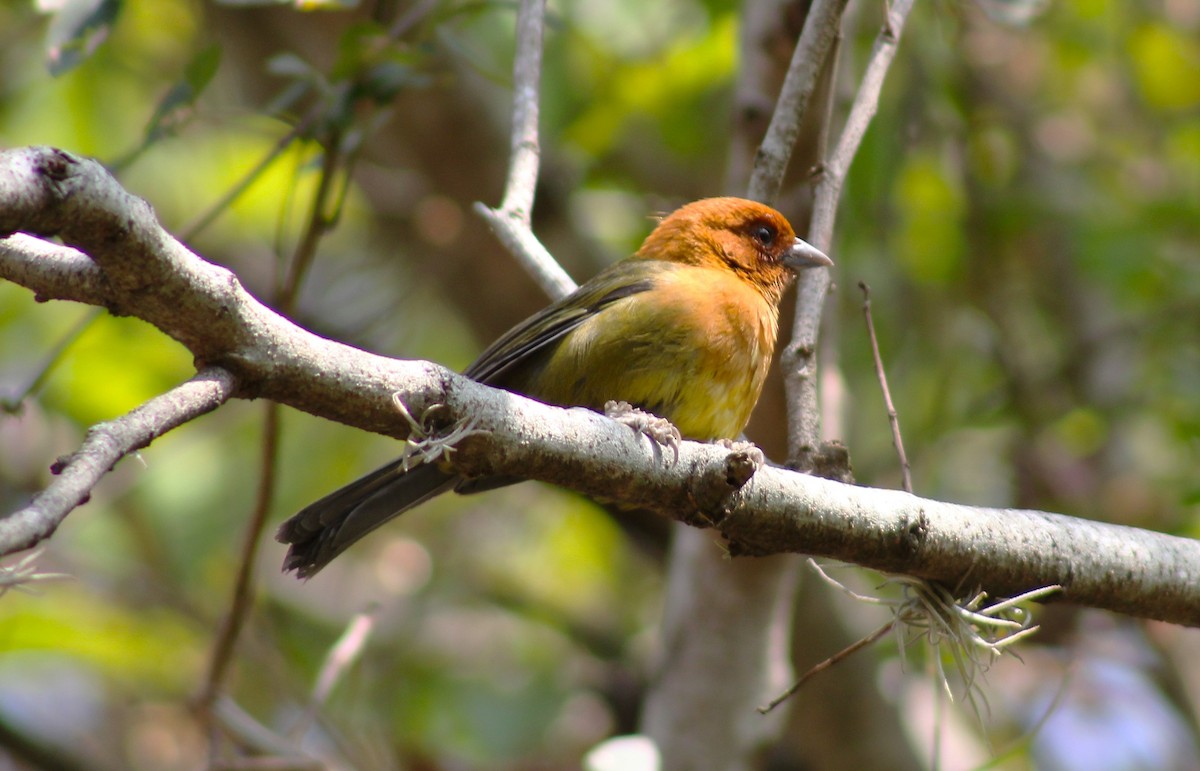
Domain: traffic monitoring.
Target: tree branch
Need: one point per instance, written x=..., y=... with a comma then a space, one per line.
x=799, y=356
x=1118, y=568
x=816, y=39
x=107, y=443
x=512, y=221
x=52, y=271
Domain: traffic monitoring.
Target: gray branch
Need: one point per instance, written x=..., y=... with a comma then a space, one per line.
x=1124, y=569
x=816, y=39
x=735, y=618
x=512, y=221
x=105, y=444
x=799, y=357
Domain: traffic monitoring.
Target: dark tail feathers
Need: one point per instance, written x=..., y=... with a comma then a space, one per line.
x=325, y=529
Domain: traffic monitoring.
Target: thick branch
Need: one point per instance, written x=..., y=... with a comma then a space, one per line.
x=107, y=443
x=1006, y=551
x=1118, y=568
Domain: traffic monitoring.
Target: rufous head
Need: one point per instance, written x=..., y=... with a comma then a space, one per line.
x=748, y=238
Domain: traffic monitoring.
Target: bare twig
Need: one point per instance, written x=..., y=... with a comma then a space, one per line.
x=242, y=597
x=238, y=723
x=105, y=444
x=324, y=212
x=862, y=110
x=339, y=659
x=512, y=221
x=321, y=220
x=816, y=40
x=820, y=667
x=893, y=418
x=411, y=18
x=200, y=223
x=799, y=357
x=13, y=404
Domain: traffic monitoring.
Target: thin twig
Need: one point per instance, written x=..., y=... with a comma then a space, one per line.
x=862, y=111
x=248, y=732
x=196, y=226
x=512, y=221
x=524, y=151
x=13, y=404
x=893, y=418
x=321, y=219
x=105, y=444
x=341, y=656
x=410, y=18
x=816, y=40
x=836, y=658
x=243, y=585
x=799, y=358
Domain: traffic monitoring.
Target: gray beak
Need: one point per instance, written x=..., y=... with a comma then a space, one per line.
x=805, y=255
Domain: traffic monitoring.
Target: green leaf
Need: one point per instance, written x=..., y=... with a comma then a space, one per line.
x=178, y=100
x=77, y=31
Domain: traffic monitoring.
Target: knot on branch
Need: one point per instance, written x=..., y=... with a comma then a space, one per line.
x=714, y=483
x=912, y=534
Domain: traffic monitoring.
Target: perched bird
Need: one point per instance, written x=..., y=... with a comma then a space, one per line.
x=684, y=329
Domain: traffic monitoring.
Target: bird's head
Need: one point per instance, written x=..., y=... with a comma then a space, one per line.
x=746, y=237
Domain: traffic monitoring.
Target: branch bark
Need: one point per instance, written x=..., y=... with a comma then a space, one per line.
x=816, y=40
x=735, y=618
x=107, y=443
x=512, y=221
x=799, y=357
x=1134, y=571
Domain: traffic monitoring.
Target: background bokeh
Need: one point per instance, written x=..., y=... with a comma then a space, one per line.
x=1025, y=208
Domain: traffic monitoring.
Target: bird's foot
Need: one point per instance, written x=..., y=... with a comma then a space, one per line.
x=427, y=443
x=745, y=459
x=660, y=430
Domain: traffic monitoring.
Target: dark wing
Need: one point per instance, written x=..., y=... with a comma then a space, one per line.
x=541, y=330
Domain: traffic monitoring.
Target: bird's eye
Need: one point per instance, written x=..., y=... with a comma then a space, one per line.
x=764, y=234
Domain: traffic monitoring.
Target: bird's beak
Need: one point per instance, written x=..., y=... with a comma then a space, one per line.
x=805, y=255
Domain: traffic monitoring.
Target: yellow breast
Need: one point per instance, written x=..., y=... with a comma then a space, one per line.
x=695, y=350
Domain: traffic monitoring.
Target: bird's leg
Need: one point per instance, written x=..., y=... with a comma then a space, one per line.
x=660, y=430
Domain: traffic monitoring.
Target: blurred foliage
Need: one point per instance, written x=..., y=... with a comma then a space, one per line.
x=1026, y=210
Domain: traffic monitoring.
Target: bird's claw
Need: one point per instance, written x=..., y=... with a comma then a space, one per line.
x=660, y=430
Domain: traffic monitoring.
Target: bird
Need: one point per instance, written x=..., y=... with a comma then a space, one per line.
x=684, y=329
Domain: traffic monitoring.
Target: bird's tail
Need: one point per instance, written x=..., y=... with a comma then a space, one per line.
x=326, y=528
